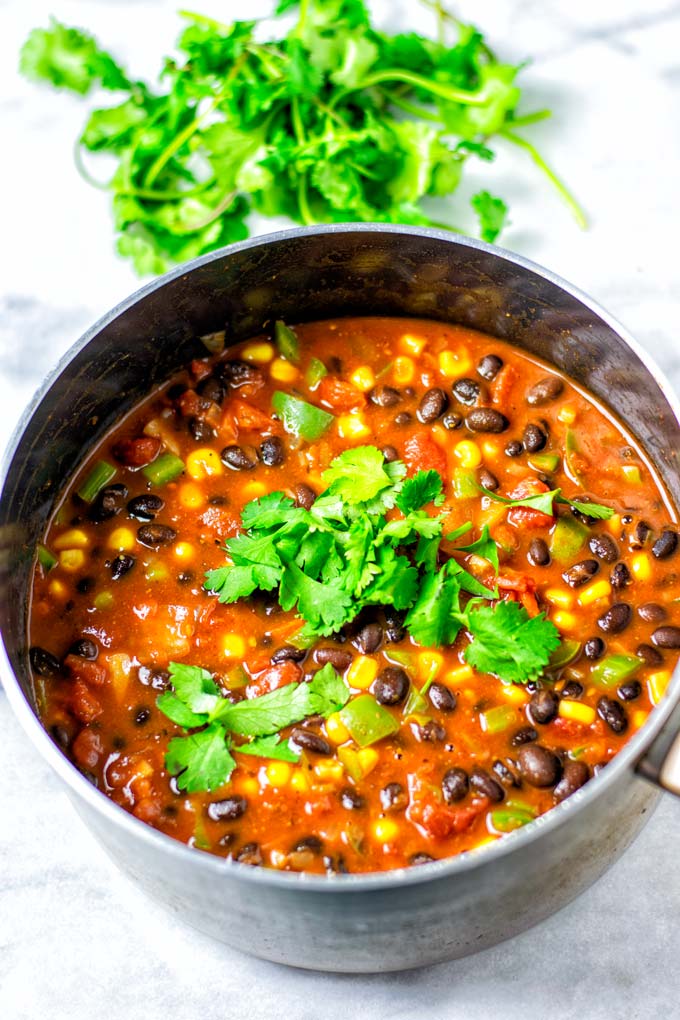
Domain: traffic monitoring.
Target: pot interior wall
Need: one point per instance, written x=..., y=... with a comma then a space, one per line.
x=313, y=276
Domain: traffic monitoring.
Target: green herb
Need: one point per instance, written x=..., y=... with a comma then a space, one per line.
x=100, y=476
x=270, y=747
x=287, y=342
x=299, y=417
x=331, y=121
x=509, y=643
x=46, y=559
x=201, y=761
x=544, y=501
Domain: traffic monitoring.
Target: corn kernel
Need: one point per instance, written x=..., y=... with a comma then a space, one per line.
x=249, y=786
x=564, y=620
x=185, y=551
x=57, y=589
x=486, y=841
x=363, y=378
x=567, y=414
x=411, y=344
x=641, y=567
x=122, y=540
x=282, y=371
x=253, y=490
x=260, y=353
x=362, y=672
x=277, y=859
x=233, y=646
x=615, y=525
x=203, y=463
x=459, y=675
x=329, y=770
x=368, y=759
x=403, y=371
x=576, y=711
x=72, y=539
x=514, y=694
x=385, y=830
x=559, y=597
x=190, y=496
x=478, y=563
x=639, y=718
x=491, y=449
x=336, y=729
x=278, y=773
x=468, y=453
x=454, y=364
x=120, y=668
x=632, y=474
x=440, y=435
x=352, y=426
x=595, y=593
x=429, y=664
x=72, y=560
x=299, y=781
x=657, y=684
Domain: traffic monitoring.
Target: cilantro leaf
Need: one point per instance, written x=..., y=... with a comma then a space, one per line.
x=201, y=761
x=484, y=547
x=269, y=747
x=508, y=643
x=195, y=687
x=259, y=717
x=68, y=58
x=269, y=511
x=323, y=605
x=425, y=487
x=492, y=213
x=595, y=510
x=231, y=583
x=328, y=691
x=542, y=501
x=357, y=475
x=433, y=619
x=179, y=711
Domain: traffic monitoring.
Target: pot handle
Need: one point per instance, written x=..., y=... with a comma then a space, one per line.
x=661, y=762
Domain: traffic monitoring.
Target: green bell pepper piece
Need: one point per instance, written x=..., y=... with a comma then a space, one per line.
x=299, y=417
x=46, y=559
x=465, y=484
x=367, y=721
x=567, y=538
x=614, y=669
x=547, y=462
x=100, y=475
x=287, y=342
x=316, y=370
x=565, y=652
x=163, y=469
x=497, y=719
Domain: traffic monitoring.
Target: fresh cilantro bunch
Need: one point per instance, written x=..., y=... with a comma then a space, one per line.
x=331, y=121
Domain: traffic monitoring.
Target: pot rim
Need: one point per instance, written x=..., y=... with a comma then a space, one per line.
x=447, y=867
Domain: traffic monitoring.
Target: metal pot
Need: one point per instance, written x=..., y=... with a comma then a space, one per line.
x=403, y=918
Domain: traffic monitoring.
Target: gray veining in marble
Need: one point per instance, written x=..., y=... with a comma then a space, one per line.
x=76, y=940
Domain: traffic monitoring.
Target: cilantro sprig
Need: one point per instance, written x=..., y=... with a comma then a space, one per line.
x=544, y=501
x=329, y=121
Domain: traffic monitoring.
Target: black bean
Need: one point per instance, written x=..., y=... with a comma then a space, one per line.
x=420, y=858
x=121, y=566
x=572, y=689
x=640, y=535
x=272, y=451
x=155, y=535
x=524, y=736
x=505, y=772
x=84, y=649
x=200, y=430
x=488, y=480
x=452, y=420
x=394, y=625
x=369, y=638
x=594, y=648
x=630, y=690
x=604, y=547
x=143, y=715
x=543, y=706
x=186, y=577
x=212, y=389
x=288, y=654
x=44, y=663
x=159, y=679
x=513, y=448
x=649, y=655
x=442, y=698
x=574, y=775
x=620, y=576
x=238, y=373
x=466, y=391
x=652, y=612
x=145, y=508
x=304, y=495
x=538, y=553
x=338, y=658
x=305, y=740
x=238, y=458
x=227, y=810
x=391, y=686
x=430, y=732
x=108, y=503
x=432, y=405
x=250, y=854
x=616, y=618
x=403, y=418
x=61, y=736
x=580, y=573
x=665, y=545
x=350, y=799
x=545, y=391
x=390, y=454
x=489, y=366
x=538, y=765
x=613, y=714
x=384, y=396
x=85, y=585
x=534, y=438
x=481, y=782
x=308, y=844
x=666, y=637
x=393, y=797
x=486, y=419
x=455, y=785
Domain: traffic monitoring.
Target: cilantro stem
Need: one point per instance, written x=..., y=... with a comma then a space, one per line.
x=176, y=144
x=298, y=127
x=302, y=20
x=412, y=108
x=530, y=118
x=557, y=182
x=480, y=97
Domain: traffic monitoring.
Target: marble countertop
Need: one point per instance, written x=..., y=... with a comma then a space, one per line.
x=76, y=939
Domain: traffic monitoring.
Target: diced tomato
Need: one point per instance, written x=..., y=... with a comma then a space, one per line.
x=277, y=676
x=526, y=516
x=219, y=521
x=86, y=670
x=339, y=395
x=136, y=453
x=421, y=453
x=440, y=821
x=517, y=582
x=84, y=705
x=530, y=603
x=200, y=368
x=247, y=416
x=87, y=748
x=502, y=386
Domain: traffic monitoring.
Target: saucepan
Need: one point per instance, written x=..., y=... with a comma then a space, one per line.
x=353, y=923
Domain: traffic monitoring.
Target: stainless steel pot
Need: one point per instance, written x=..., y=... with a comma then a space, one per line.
x=357, y=923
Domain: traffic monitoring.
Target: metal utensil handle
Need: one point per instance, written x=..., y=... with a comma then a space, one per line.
x=661, y=763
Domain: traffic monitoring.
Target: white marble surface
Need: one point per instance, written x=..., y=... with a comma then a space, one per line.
x=75, y=939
